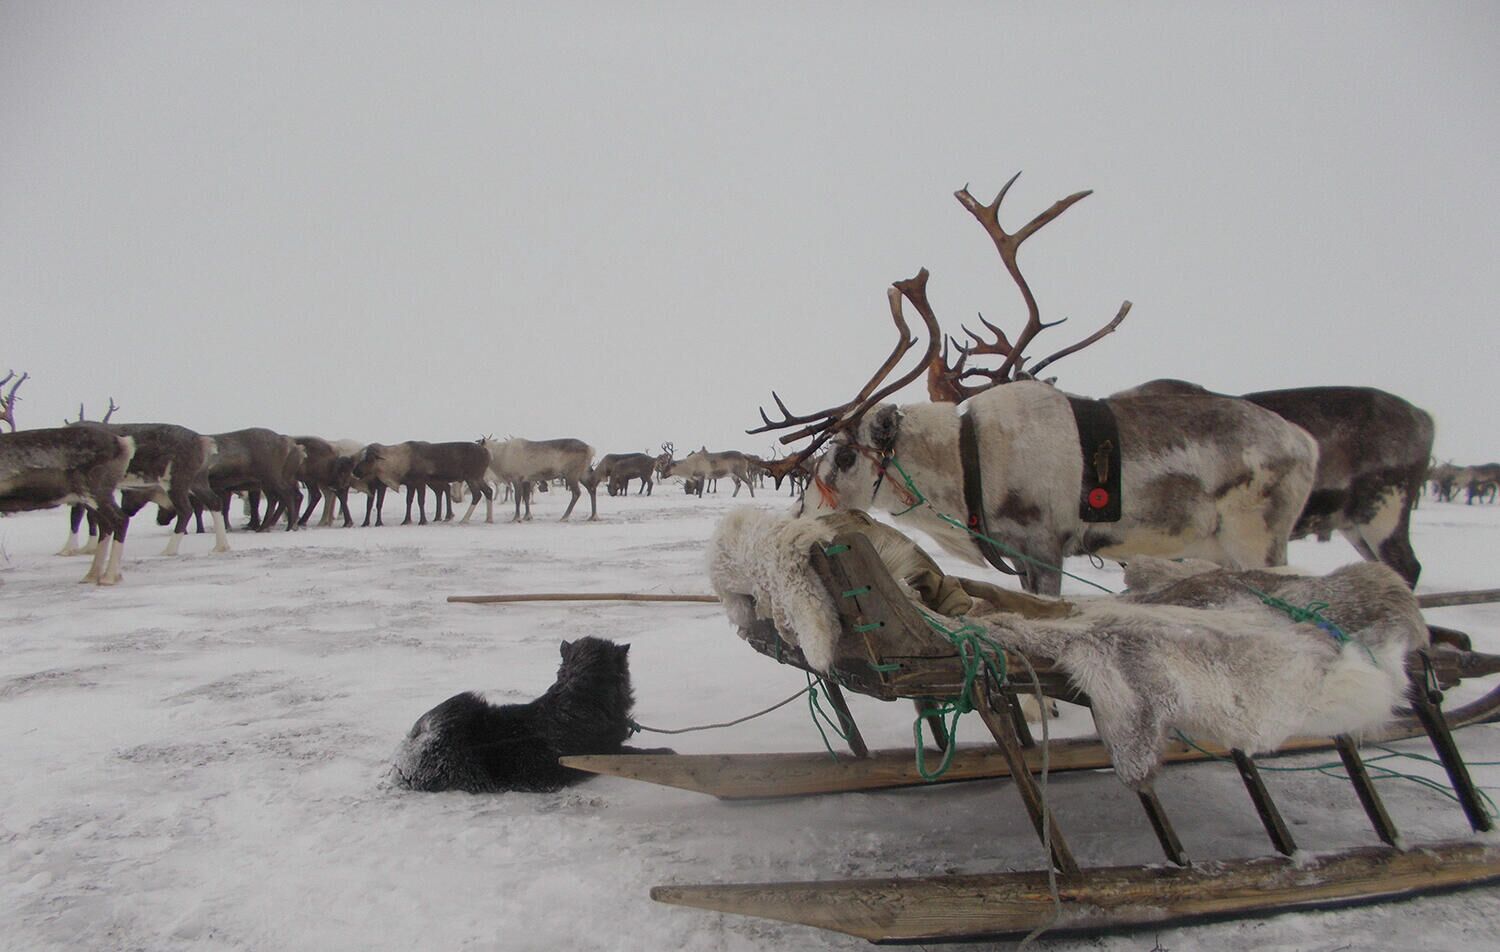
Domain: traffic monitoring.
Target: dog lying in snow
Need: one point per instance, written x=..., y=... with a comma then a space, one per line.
x=466, y=743
x=1191, y=646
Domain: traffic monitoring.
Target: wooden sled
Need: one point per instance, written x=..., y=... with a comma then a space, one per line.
x=887, y=651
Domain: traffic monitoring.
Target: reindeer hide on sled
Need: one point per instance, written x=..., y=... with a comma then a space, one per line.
x=1190, y=647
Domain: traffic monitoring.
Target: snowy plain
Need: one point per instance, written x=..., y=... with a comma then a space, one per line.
x=197, y=758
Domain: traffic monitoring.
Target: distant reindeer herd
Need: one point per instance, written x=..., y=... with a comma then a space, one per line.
x=998, y=465
x=111, y=470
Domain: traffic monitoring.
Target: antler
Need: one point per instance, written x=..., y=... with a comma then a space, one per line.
x=110, y=412
x=8, y=402
x=945, y=382
x=824, y=424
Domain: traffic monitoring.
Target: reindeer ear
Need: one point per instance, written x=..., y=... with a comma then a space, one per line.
x=565, y=647
x=885, y=426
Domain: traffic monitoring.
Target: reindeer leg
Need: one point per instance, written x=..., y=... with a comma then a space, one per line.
x=112, y=574
x=75, y=519
x=313, y=496
x=473, y=501
x=576, y=491
x=343, y=498
x=292, y=504
x=221, y=539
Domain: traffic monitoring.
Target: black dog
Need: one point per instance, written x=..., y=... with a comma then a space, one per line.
x=466, y=743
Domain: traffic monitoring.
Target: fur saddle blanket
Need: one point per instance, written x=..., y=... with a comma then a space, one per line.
x=1191, y=647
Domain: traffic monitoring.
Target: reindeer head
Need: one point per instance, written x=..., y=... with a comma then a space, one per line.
x=664, y=461
x=364, y=464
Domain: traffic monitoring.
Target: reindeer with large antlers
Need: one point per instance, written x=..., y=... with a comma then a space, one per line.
x=1045, y=474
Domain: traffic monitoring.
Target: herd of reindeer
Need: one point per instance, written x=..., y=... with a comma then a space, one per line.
x=110, y=471
x=1167, y=468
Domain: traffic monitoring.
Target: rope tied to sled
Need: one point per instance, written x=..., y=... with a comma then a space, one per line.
x=977, y=653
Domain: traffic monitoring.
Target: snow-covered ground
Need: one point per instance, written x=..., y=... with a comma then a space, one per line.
x=195, y=759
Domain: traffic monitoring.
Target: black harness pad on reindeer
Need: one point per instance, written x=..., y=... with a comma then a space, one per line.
x=1099, y=442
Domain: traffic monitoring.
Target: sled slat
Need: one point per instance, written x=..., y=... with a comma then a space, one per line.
x=1006, y=905
x=1364, y=788
x=1270, y=817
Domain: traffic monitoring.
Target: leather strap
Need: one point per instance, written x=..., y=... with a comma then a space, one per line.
x=968, y=453
x=1099, y=442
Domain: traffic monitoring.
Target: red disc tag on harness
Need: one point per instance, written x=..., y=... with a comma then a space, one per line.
x=1099, y=498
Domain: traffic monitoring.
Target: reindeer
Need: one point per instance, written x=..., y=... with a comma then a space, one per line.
x=522, y=462
x=1047, y=474
x=84, y=463
x=1373, y=453
x=77, y=513
x=327, y=474
x=1444, y=478
x=1480, y=481
x=169, y=468
x=257, y=459
x=616, y=470
x=419, y=465
x=702, y=466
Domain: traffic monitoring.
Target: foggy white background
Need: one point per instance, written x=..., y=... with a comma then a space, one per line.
x=628, y=223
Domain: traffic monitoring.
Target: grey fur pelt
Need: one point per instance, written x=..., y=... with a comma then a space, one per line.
x=1190, y=648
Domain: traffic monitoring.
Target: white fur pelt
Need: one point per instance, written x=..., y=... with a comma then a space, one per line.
x=1190, y=648
x=1211, y=660
x=757, y=563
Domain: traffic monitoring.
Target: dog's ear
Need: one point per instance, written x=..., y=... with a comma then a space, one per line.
x=565, y=647
x=624, y=650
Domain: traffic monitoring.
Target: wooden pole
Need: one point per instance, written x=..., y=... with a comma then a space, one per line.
x=582, y=597
x=1447, y=599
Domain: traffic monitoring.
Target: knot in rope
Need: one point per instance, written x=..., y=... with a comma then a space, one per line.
x=977, y=654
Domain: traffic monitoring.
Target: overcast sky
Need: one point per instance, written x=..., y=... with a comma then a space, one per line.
x=629, y=222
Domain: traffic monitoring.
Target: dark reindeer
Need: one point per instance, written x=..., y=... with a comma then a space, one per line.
x=1373, y=452
x=257, y=459
x=418, y=465
x=1196, y=475
x=616, y=470
x=328, y=475
x=84, y=463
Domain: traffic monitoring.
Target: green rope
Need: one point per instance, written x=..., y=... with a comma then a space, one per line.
x=1312, y=614
x=921, y=500
x=977, y=654
x=820, y=716
x=1335, y=770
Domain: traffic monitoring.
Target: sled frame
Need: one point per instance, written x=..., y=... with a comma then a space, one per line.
x=888, y=651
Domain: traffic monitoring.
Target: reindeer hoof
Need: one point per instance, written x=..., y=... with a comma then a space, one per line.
x=221, y=548
x=110, y=580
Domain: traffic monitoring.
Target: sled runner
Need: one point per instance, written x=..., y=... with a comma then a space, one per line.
x=888, y=646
